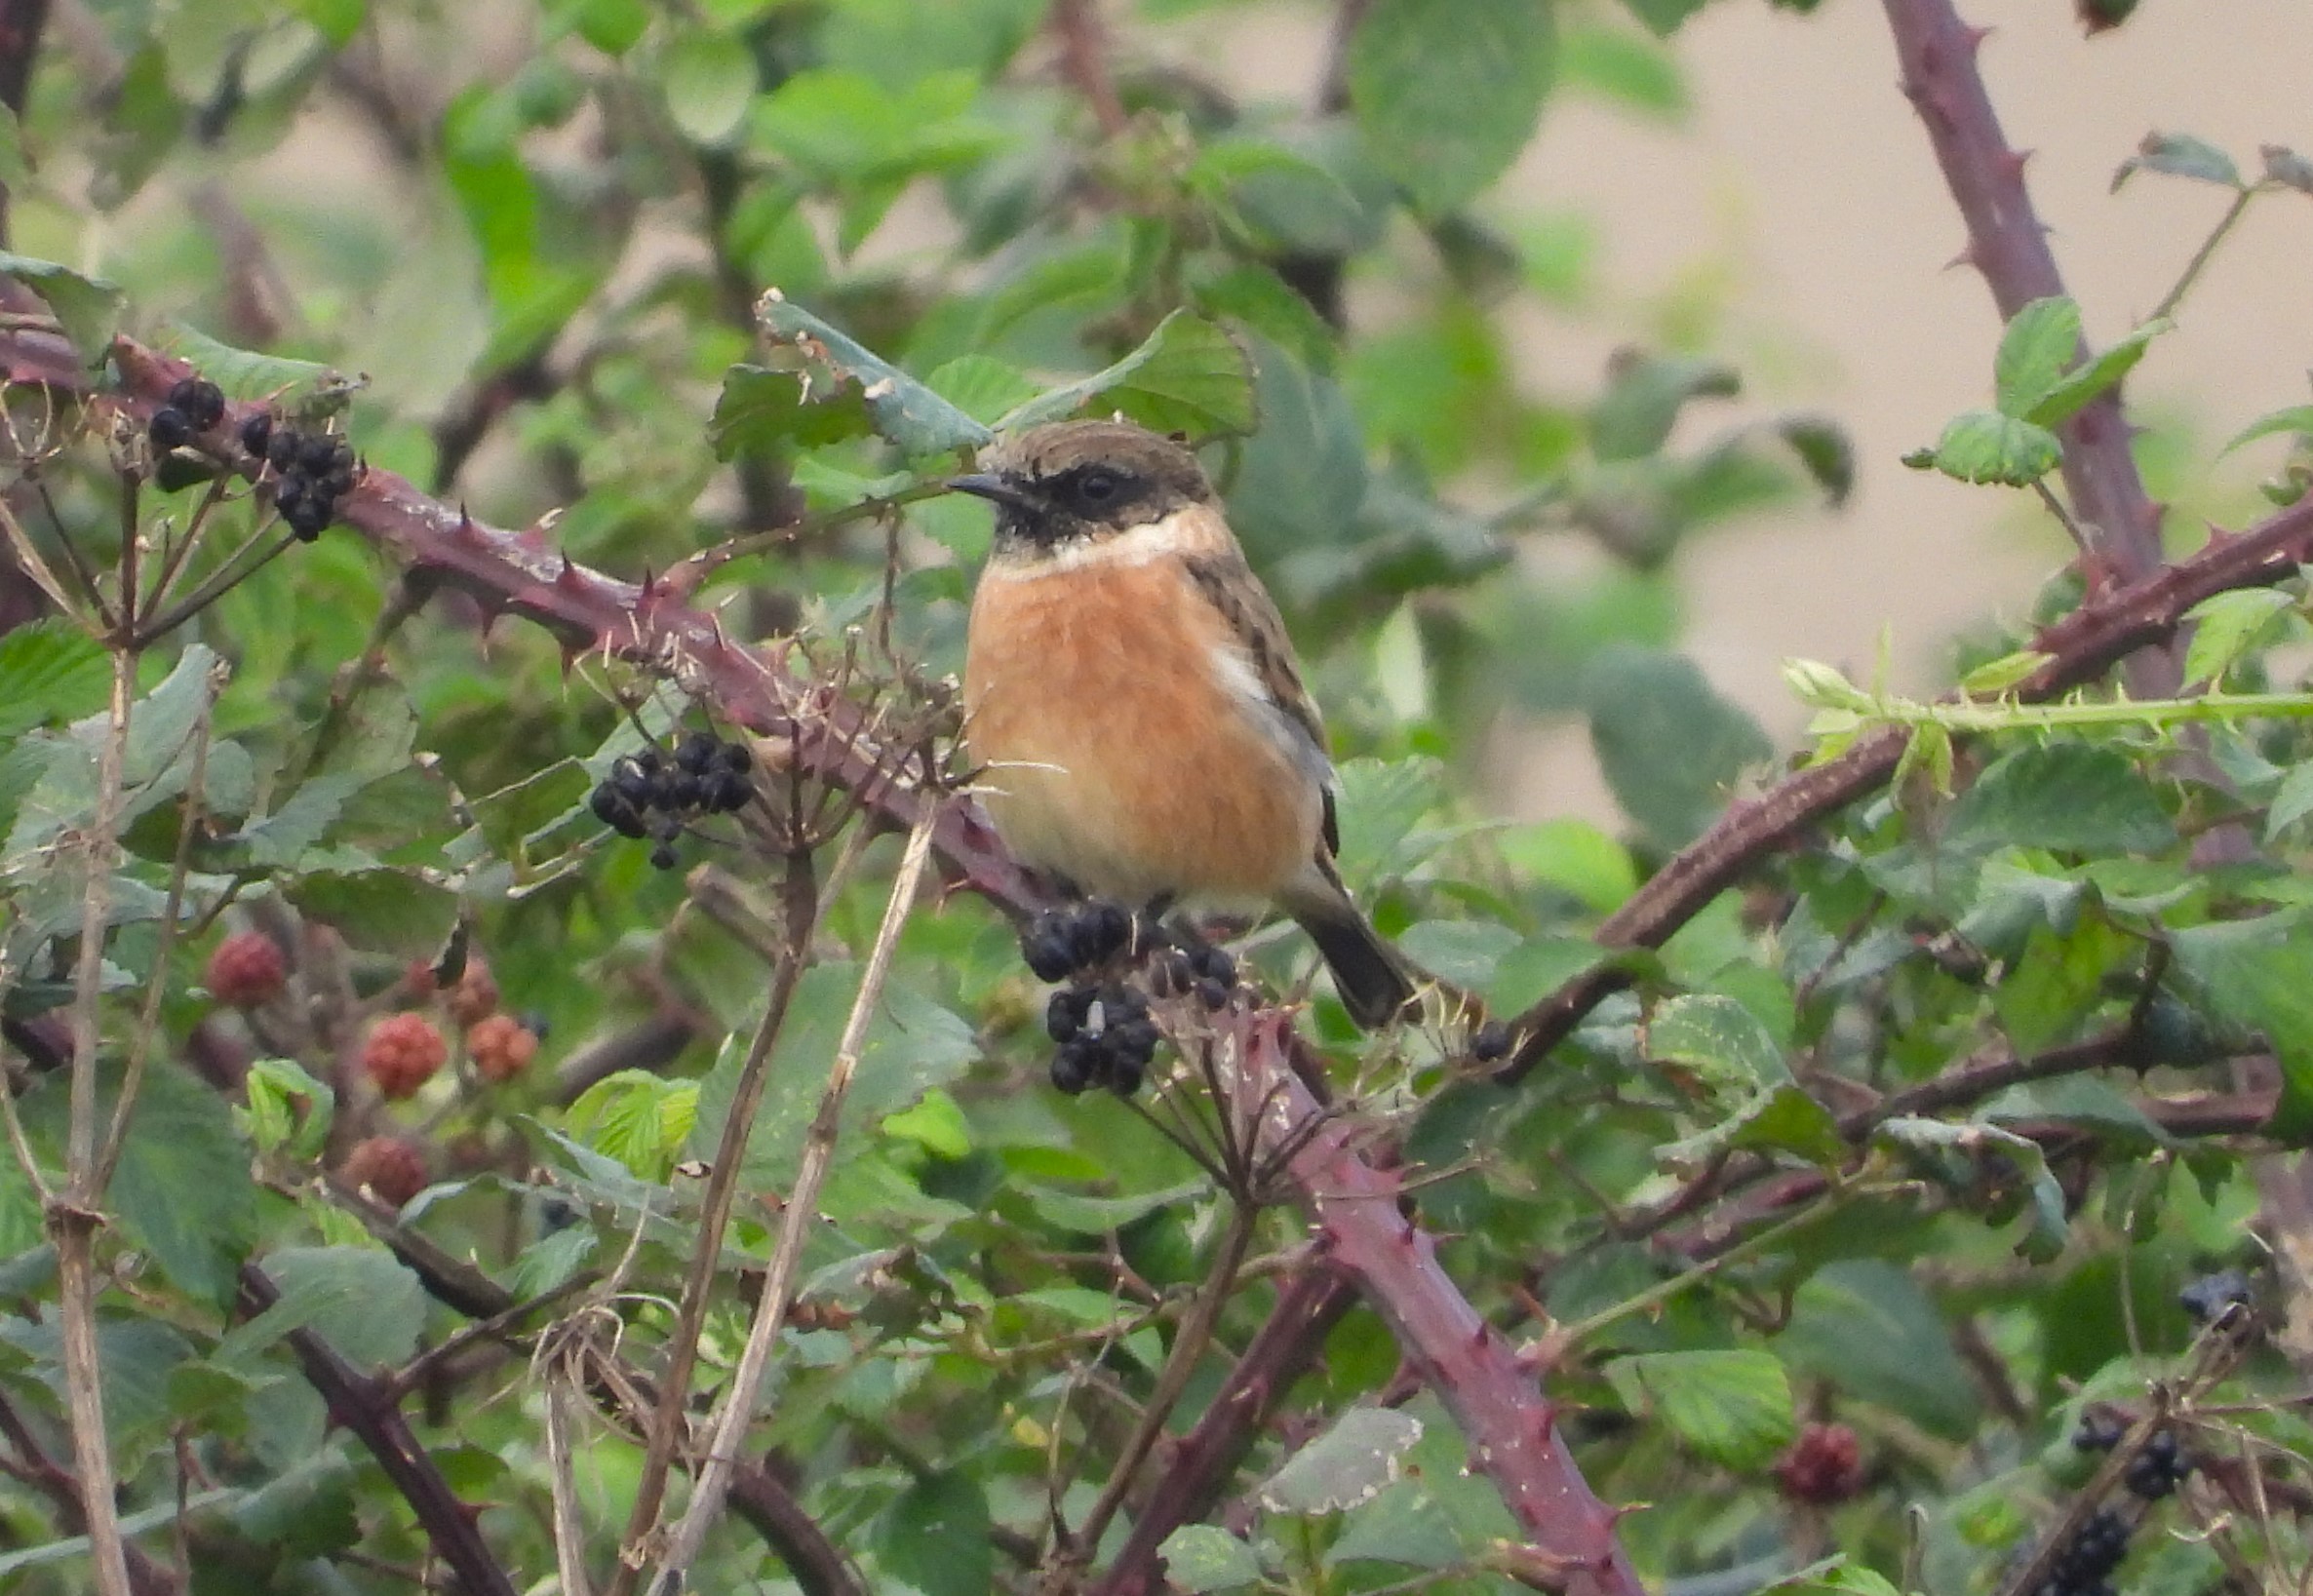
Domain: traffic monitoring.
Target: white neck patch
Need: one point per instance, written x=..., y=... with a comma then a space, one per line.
x=1181, y=532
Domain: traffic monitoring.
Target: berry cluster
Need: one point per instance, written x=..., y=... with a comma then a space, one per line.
x=1059, y=944
x=1104, y=1036
x=2152, y=1473
x=649, y=794
x=195, y=405
x=2084, y=1568
x=314, y=470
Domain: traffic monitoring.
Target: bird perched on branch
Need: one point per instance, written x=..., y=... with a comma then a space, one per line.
x=1133, y=701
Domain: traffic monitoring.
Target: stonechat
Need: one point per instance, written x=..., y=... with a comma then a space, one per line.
x=1133, y=702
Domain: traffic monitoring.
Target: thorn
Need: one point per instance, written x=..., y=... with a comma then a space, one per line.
x=1971, y=38
x=2013, y=162
x=1410, y=1235
x=1485, y=1333
x=1966, y=258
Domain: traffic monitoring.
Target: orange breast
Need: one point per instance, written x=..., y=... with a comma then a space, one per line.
x=1112, y=751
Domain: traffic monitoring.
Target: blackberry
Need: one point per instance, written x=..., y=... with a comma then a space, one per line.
x=1124, y=1076
x=170, y=428
x=663, y=857
x=1490, y=1042
x=289, y=494
x=632, y=782
x=1213, y=994
x=696, y=754
x=317, y=452
x=1102, y=931
x=307, y=520
x=727, y=792
x=256, y=433
x=648, y=759
x=282, y=448
x=735, y=757
x=688, y=792
x=2099, y=1431
x=617, y=811
x=201, y=402
x=1049, y=948
x=2157, y=1470
x=1213, y=964
x=177, y=471
x=1134, y=1043
x=1064, y=1016
x=1074, y=1066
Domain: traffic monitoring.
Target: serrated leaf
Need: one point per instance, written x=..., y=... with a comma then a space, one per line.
x=638, y=1117
x=50, y=671
x=1448, y=91
x=246, y=374
x=2068, y=798
x=1718, y=1041
x=767, y=413
x=905, y=413
x=1405, y=1526
x=278, y=1122
x=2039, y=342
x=183, y=1188
x=551, y=1260
x=1732, y=1407
x=981, y=386
x=2291, y=802
x=382, y=910
x=1187, y=376
x=1871, y=1327
x=87, y=308
x=1199, y=1558
x=1347, y=1467
x=2226, y=626
x=2179, y=155
x=2253, y=973
x=363, y=1301
x=1987, y=447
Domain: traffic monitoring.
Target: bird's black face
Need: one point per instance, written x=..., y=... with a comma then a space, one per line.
x=1079, y=483
x=1089, y=500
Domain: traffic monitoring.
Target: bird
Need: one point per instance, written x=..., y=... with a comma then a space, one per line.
x=1134, y=703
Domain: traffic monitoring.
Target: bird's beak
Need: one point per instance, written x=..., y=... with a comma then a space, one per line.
x=995, y=490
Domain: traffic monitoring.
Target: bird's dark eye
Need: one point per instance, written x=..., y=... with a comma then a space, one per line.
x=1097, y=487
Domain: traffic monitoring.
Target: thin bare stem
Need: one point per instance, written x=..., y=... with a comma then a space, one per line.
x=1187, y=1349
x=73, y=1219
x=713, y=1480
x=669, y=1420
x=2173, y=299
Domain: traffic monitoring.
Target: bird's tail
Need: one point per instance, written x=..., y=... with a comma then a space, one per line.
x=1367, y=971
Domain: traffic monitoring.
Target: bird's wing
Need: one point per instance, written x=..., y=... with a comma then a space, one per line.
x=1249, y=617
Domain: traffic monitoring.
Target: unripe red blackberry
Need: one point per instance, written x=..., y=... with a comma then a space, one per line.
x=247, y=969
x=475, y=998
x=392, y=1169
x=1824, y=1467
x=401, y=1054
x=501, y=1047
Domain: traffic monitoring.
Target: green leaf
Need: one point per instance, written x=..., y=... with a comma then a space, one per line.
x=1405, y=1526
x=1987, y=447
x=767, y=413
x=905, y=413
x=52, y=671
x=2040, y=341
x=277, y=1124
x=934, y=1536
x=1345, y=1467
x=398, y=912
x=981, y=386
x=845, y=130
x=2068, y=798
x=1670, y=747
x=912, y=1046
x=1963, y=1155
x=1721, y=1043
x=1189, y=376
x=1625, y=68
x=638, y=1117
x=87, y=308
x=1448, y=90
x=183, y=1188
x=2253, y=973
x=2226, y=626
x=1733, y=1407
x=364, y=1302
x=1871, y=1327
x=1635, y=414
x=1995, y=677
x=2179, y=155
x=1302, y=477
x=2292, y=801
x=708, y=79
x=1199, y=1558
x=2102, y=371
x=245, y=373
x=1834, y=1576
x=2295, y=418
